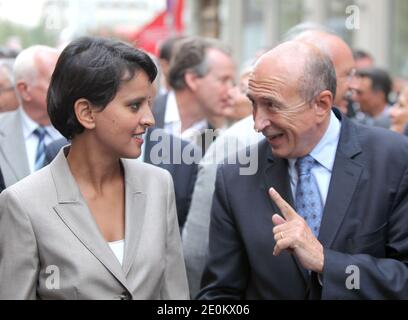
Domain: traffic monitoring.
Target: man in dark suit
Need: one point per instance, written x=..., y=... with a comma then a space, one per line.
x=201, y=75
x=171, y=148
x=347, y=237
x=184, y=173
x=372, y=88
x=53, y=148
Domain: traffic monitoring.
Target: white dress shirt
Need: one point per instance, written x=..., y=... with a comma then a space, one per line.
x=118, y=248
x=172, y=122
x=324, y=153
x=31, y=139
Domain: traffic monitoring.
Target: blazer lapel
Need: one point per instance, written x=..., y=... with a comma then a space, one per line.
x=344, y=180
x=12, y=146
x=135, y=215
x=73, y=211
x=276, y=175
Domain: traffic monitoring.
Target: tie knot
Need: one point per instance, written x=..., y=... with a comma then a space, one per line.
x=40, y=132
x=304, y=165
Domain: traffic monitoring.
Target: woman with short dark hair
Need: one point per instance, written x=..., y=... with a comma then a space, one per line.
x=95, y=223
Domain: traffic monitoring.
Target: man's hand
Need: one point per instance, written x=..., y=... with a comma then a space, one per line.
x=292, y=233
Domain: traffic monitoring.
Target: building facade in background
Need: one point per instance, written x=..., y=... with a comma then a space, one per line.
x=377, y=26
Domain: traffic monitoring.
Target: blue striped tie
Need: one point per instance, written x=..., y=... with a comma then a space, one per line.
x=40, y=132
x=308, y=201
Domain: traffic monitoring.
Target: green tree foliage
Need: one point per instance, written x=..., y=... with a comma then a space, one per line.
x=28, y=36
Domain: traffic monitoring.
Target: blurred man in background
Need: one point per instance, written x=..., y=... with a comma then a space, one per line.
x=24, y=133
x=372, y=89
x=342, y=57
x=166, y=52
x=201, y=74
x=363, y=59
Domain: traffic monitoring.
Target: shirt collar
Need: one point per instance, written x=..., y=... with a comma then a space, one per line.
x=325, y=151
x=29, y=126
x=171, y=113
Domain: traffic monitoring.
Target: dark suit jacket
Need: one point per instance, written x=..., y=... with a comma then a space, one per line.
x=406, y=130
x=2, y=185
x=364, y=224
x=184, y=174
x=159, y=110
x=52, y=149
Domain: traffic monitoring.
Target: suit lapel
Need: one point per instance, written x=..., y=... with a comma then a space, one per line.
x=2, y=185
x=276, y=175
x=344, y=180
x=73, y=211
x=135, y=215
x=12, y=146
x=78, y=219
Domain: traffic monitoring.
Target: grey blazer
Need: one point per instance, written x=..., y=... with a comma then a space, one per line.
x=13, y=154
x=51, y=247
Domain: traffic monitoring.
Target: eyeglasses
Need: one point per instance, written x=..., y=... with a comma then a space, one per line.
x=2, y=90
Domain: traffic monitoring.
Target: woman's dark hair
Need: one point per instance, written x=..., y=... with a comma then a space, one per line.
x=94, y=69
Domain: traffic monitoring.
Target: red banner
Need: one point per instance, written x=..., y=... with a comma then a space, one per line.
x=168, y=23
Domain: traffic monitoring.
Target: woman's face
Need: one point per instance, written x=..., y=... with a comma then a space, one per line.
x=399, y=113
x=120, y=126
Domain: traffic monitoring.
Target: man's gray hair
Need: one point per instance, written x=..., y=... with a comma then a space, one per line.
x=191, y=56
x=25, y=64
x=318, y=75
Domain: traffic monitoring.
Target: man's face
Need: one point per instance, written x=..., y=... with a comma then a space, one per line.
x=289, y=123
x=212, y=89
x=345, y=69
x=8, y=98
x=343, y=62
x=364, y=94
x=39, y=87
x=363, y=63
